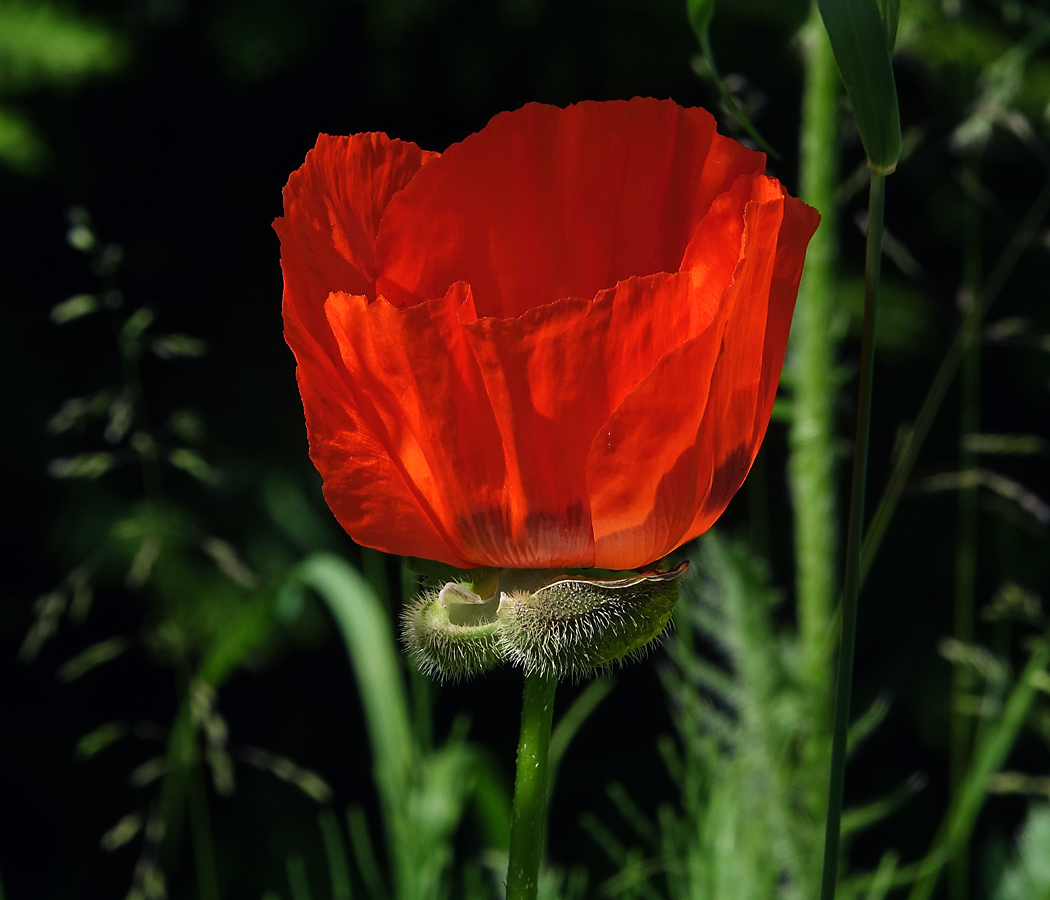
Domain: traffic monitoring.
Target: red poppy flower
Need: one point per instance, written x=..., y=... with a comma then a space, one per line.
x=554, y=345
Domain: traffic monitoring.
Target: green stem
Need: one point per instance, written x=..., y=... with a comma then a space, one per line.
x=851, y=586
x=966, y=529
x=201, y=835
x=1020, y=241
x=528, y=818
x=727, y=99
x=988, y=759
x=812, y=360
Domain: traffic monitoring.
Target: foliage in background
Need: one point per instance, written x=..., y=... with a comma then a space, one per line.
x=45, y=46
x=747, y=684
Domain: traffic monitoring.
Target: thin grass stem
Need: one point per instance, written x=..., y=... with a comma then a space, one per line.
x=201, y=833
x=938, y=389
x=528, y=817
x=988, y=758
x=966, y=527
x=852, y=577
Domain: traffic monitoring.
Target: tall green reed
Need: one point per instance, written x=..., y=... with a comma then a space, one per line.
x=812, y=361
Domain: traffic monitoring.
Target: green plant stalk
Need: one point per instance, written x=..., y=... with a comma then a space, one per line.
x=335, y=851
x=571, y=722
x=182, y=753
x=728, y=102
x=364, y=623
x=419, y=685
x=988, y=759
x=966, y=530
x=528, y=816
x=938, y=389
x=812, y=360
x=201, y=833
x=851, y=587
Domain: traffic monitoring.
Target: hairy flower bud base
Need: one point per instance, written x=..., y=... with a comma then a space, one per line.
x=545, y=622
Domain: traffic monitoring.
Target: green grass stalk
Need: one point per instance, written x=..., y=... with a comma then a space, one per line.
x=852, y=577
x=201, y=834
x=988, y=758
x=812, y=359
x=966, y=528
x=1019, y=242
x=528, y=817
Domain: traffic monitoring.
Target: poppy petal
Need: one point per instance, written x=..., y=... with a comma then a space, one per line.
x=555, y=345
x=546, y=203
x=333, y=205
x=697, y=451
x=418, y=409
x=490, y=420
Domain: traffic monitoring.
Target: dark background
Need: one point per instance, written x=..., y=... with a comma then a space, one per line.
x=180, y=155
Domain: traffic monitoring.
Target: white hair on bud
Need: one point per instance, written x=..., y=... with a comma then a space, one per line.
x=442, y=650
x=575, y=626
x=570, y=627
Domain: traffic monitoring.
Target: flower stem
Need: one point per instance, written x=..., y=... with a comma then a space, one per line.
x=812, y=361
x=528, y=819
x=851, y=587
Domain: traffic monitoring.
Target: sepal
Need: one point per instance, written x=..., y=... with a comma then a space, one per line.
x=545, y=622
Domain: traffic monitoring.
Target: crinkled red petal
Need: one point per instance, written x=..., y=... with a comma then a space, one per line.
x=678, y=447
x=490, y=421
x=495, y=422
x=546, y=203
x=332, y=208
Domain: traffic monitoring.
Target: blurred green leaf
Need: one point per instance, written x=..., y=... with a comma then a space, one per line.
x=123, y=832
x=586, y=702
x=148, y=772
x=95, y=741
x=77, y=409
x=860, y=817
x=81, y=237
x=178, y=346
x=21, y=146
x=191, y=462
x=1007, y=444
x=990, y=752
x=86, y=465
x=492, y=798
x=1028, y=874
x=864, y=725
x=298, y=883
x=225, y=556
x=187, y=424
x=133, y=329
x=290, y=510
x=858, y=40
x=74, y=308
x=366, y=632
x=1008, y=73
x=905, y=321
x=891, y=16
x=310, y=783
x=364, y=854
x=335, y=851
x=700, y=14
x=45, y=43
x=121, y=415
x=93, y=657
